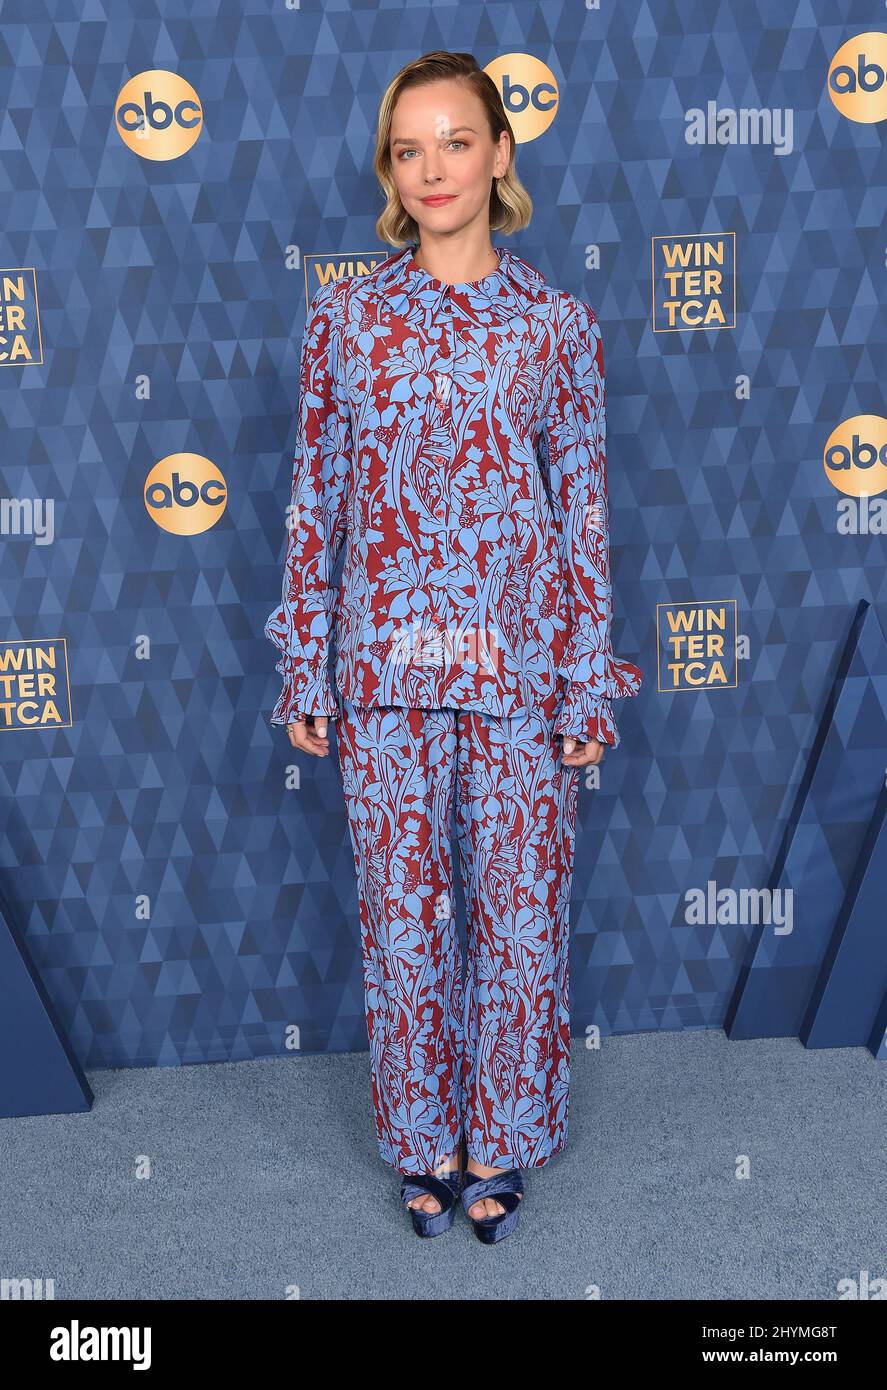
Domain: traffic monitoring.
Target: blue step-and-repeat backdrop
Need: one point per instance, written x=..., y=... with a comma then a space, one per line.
x=177, y=183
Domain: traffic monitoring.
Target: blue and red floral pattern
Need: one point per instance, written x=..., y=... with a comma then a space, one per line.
x=452, y=437
x=485, y=1053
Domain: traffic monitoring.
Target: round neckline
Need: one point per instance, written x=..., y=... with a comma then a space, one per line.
x=492, y=275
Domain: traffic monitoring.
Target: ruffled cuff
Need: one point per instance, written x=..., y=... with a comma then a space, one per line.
x=306, y=690
x=586, y=712
x=585, y=716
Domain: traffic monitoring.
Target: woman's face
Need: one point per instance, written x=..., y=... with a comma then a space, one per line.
x=441, y=145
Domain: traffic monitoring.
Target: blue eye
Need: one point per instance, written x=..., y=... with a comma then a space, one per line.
x=463, y=143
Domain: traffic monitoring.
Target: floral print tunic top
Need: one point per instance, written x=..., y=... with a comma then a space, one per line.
x=452, y=439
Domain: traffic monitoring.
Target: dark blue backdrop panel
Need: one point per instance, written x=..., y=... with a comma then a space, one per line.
x=39, y=1072
x=852, y=982
x=877, y=1043
x=826, y=832
x=184, y=877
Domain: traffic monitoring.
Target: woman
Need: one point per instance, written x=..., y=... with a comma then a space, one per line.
x=452, y=430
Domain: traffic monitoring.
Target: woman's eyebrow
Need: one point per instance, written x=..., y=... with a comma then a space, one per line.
x=407, y=140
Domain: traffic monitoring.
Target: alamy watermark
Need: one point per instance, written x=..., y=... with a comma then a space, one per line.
x=712, y=906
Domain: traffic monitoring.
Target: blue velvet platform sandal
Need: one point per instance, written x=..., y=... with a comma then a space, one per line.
x=445, y=1191
x=505, y=1188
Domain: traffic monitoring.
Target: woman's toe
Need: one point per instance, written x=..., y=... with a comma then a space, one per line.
x=485, y=1207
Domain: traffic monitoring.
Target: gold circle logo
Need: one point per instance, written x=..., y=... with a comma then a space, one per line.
x=855, y=458
x=529, y=93
x=857, y=78
x=185, y=494
x=158, y=114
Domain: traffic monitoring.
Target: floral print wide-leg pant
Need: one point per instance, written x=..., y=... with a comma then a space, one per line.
x=487, y=1055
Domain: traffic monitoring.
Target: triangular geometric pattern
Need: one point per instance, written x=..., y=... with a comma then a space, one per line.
x=39, y=1071
x=184, y=879
x=877, y=1043
x=817, y=863
x=852, y=982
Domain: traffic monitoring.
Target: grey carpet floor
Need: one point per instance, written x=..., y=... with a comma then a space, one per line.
x=265, y=1179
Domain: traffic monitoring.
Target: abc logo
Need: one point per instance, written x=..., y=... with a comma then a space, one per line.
x=856, y=456
x=185, y=494
x=857, y=78
x=529, y=93
x=158, y=115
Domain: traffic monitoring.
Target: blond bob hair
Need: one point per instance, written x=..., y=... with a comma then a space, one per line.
x=510, y=204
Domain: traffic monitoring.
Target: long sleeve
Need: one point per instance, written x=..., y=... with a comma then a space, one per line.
x=302, y=626
x=575, y=444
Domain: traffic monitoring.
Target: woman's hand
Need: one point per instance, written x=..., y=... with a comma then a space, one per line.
x=308, y=732
x=578, y=754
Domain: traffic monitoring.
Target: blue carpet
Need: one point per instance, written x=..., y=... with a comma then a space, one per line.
x=265, y=1177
